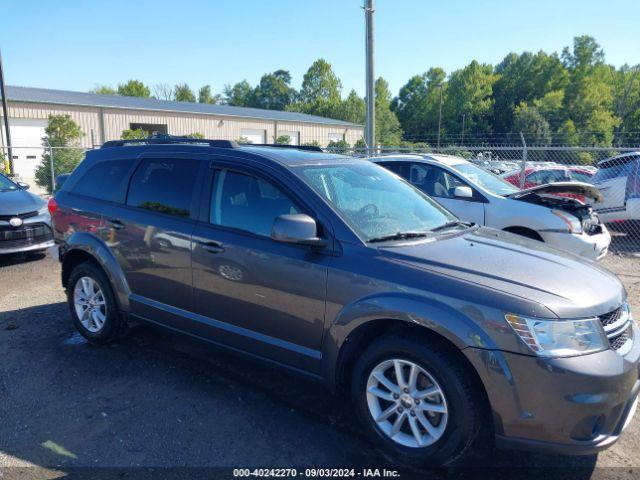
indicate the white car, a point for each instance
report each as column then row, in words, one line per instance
column 476, row 195
column 618, row 179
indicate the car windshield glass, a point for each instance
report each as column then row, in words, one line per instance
column 487, row 180
column 375, row 202
column 6, row 184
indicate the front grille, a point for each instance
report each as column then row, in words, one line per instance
column 617, row 327
column 23, row 216
column 24, row 236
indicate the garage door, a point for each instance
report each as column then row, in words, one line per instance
column 26, row 137
column 254, row 135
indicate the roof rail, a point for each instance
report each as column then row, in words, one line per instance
column 309, row 148
column 170, row 139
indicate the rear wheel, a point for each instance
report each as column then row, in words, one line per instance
column 92, row 303
column 416, row 400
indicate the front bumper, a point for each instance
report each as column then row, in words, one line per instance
column 575, row 405
column 33, row 234
column 593, row 247
column 27, row 248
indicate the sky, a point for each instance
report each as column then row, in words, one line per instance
column 76, row 45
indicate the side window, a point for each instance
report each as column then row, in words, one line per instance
column 434, row 181
column 164, row 186
column 542, row 177
column 247, row 203
column 581, row 176
column 395, row 167
column 616, row 169
column 105, row 180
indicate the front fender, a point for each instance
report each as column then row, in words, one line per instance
column 97, row 249
column 454, row 324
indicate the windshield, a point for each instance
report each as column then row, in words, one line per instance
column 6, row 184
column 487, row 180
column 374, row 201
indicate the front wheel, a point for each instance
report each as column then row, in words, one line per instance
column 417, row 400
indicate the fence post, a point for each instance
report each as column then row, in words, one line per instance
column 53, row 178
column 523, row 168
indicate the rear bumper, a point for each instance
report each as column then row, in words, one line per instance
column 593, row 247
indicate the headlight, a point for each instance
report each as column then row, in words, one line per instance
column 560, row 338
column 573, row 223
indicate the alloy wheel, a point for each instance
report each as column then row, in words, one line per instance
column 406, row 403
column 90, row 304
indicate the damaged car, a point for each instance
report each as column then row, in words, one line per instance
column 551, row 213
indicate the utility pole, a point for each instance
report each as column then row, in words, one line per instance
column 5, row 113
column 440, row 116
column 370, row 127
column 463, row 117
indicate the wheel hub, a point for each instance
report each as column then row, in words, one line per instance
column 407, row 401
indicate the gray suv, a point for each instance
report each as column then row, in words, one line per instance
column 335, row 268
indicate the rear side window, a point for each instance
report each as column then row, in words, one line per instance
column 164, row 186
column 105, row 180
column 615, row 169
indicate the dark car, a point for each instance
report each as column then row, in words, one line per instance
column 337, row 269
column 25, row 223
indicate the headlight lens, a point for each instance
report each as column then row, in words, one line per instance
column 573, row 223
column 560, row 338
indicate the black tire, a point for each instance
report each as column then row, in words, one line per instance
column 114, row 325
column 464, row 400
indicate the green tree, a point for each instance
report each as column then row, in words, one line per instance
column 240, row 95
column 63, row 135
column 524, row 78
column 417, row 105
column 339, row 146
column 532, row 124
column 205, row 95
column 104, row 90
column 320, row 92
column 388, row 130
column 137, row 134
column 283, row 140
column 274, row 91
column 470, row 92
column 353, row 109
column 183, row 93
column 134, row 88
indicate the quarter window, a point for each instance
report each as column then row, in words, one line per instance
column 105, row 180
column 164, row 186
column 247, row 203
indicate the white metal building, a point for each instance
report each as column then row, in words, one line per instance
column 104, row 117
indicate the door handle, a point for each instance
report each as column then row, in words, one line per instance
column 211, row 246
column 115, row 223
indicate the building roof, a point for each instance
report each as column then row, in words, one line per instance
column 64, row 97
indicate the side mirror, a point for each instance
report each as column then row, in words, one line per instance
column 23, row 186
column 463, row 192
column 298, row 229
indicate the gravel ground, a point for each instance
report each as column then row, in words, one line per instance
column 156, row 400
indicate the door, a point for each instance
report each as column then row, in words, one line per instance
column 26, row 135
column 151, row 235
column 441, row 185
column 251, row 292
column 611, row 180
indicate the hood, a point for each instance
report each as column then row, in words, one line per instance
column 564, row 283
column 578, row 188
column 17, row 202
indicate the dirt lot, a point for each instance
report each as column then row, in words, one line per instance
column 157, row 400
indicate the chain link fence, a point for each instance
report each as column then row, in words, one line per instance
column 615, row 171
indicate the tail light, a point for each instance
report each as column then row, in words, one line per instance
column 52, row 206
column 633, row 181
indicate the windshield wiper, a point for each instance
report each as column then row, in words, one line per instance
column 398, row 236
column 452, row 224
